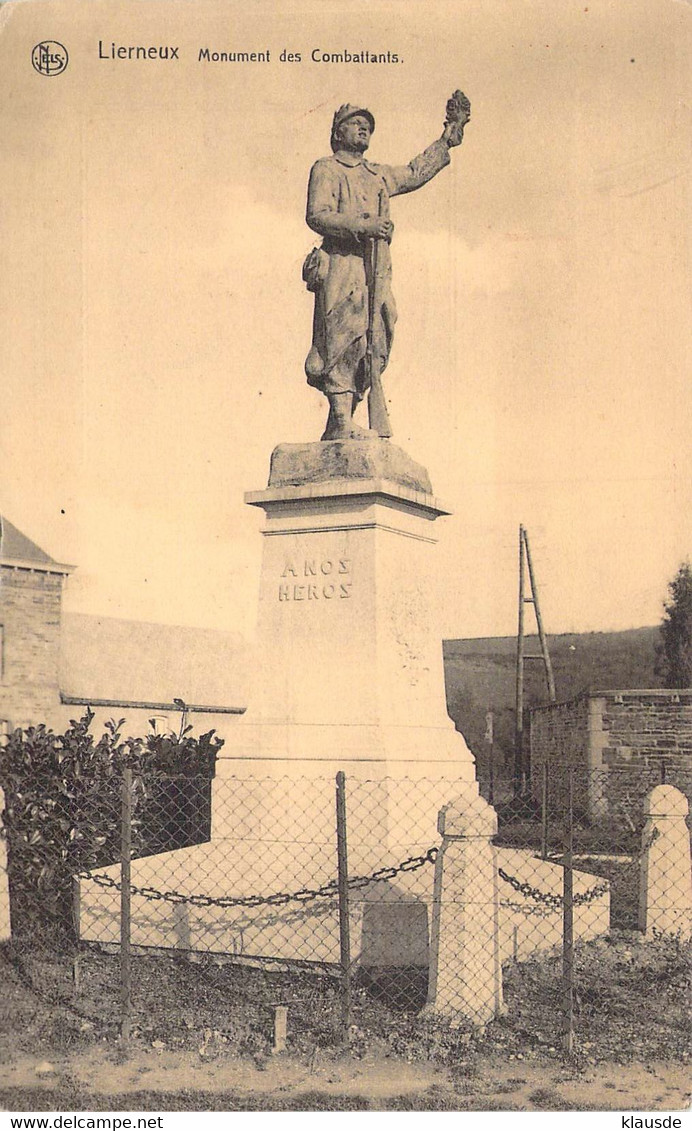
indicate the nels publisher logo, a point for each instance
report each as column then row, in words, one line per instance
column 49, row 58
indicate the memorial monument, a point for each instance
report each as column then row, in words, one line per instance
column 349, row 671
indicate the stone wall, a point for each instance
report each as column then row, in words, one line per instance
column 30, row 618
column 622, row 743
column 645, row 737
column 559, row 735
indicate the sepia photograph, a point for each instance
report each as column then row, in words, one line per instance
column 345, row 559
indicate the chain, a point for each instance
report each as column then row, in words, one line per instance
column 592, row 894
column 555, row 901
column 278, row 899
column 540, row 912
column 547, row 898
column 411, row 864
column 355, row 883
column 655, row 835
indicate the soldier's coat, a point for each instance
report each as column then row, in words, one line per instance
column 344, row 190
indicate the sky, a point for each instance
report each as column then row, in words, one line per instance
column 154, row 323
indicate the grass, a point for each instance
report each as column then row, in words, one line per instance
column 631, row 1004
column 631, row 998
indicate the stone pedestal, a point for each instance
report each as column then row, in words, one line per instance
column 349, row 677
column 349, row 659
column 349, row 656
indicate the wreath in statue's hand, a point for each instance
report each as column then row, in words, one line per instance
column 458, row 113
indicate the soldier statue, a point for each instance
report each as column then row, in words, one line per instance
column 350, row 273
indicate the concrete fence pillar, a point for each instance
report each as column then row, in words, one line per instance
column 465, row 969
column 665, row 877
column 4, row 885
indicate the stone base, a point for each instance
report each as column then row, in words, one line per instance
column 408, row 773
column 362, row 750
column 294, row 465
column 349, row 678
column 390, row 921
column 391, row 807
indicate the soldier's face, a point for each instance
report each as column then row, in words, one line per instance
column 355, row 133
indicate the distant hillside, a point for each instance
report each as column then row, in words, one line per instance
column 480, row 677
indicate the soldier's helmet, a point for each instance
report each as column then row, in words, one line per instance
column 342, row 115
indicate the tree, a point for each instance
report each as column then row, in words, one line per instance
column 674, row 653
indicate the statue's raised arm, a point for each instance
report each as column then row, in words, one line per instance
column 350, row 273
column 458, row 114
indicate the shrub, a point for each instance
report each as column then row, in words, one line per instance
column 62, row 809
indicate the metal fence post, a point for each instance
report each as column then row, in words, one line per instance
column 344, row 928
column 544, row 811
column 491, row 786
column 568, row 920
column 125, row 903
column 76, row 909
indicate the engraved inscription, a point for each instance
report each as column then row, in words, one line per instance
column 322, row 589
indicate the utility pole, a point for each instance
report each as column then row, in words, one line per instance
column 526, row 566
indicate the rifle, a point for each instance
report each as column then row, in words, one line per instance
column 378, row 417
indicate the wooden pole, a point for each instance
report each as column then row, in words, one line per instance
column 519, row 690
column 550, row 679
column 490, row 740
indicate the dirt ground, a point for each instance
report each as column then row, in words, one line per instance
column 199, row 1045
column 101, row 1077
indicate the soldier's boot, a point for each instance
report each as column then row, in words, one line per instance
column 340, row 419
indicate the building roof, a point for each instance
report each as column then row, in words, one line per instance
column 17, row 549
column 106, row 658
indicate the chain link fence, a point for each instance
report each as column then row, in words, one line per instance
column 302, row 905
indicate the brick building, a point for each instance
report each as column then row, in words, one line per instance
column 54, row 664
column 621, row 743
column 31, row 585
